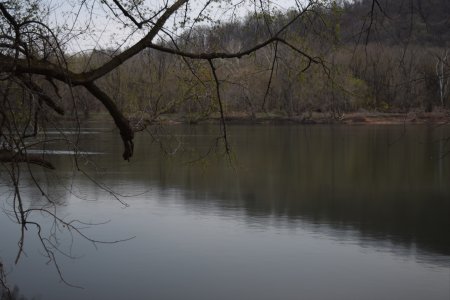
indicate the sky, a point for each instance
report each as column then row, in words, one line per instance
column 92, row 27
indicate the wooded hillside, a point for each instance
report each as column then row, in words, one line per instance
column 392, row 57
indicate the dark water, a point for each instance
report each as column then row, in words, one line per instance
column 296, row 212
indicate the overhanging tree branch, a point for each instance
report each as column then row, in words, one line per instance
column 126, row 132
column 240, row 54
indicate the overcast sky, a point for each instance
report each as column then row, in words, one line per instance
column 99, row 31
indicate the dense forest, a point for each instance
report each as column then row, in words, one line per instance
column 384, row 56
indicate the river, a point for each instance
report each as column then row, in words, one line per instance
column 294, row 212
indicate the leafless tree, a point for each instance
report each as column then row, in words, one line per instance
column 40, row 76
column 441, row 66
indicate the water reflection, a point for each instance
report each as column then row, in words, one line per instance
column 61, row 152
column 296, row 198
column 384, row 182
column 387, row 183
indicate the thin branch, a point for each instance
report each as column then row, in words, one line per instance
column 219, row 99
column 266, row 94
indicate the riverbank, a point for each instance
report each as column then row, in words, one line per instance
column 140, row 121
column 355, row 118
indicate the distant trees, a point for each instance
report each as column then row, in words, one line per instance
column 355, row 65
column 32, row 53
column 443, row 74
column 259, row 61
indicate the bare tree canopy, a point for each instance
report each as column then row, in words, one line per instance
column 33, row 50
column 41, row 40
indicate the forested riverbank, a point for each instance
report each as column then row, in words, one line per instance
column 362, row 117
column 399, row 65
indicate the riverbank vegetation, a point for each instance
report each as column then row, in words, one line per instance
column 322, row 61
column 355, row 60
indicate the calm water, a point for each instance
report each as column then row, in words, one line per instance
column 301, row 212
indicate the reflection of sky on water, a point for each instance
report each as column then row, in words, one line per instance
column 73, row 132
column 62, row 152
column 196, row 253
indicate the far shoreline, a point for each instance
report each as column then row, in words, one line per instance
column 353, row 118
column 139, row 121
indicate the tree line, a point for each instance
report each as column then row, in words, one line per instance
column 389, row 58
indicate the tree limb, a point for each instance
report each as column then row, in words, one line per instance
column 126, row 132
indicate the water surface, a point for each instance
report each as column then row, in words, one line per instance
column 296, row 212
